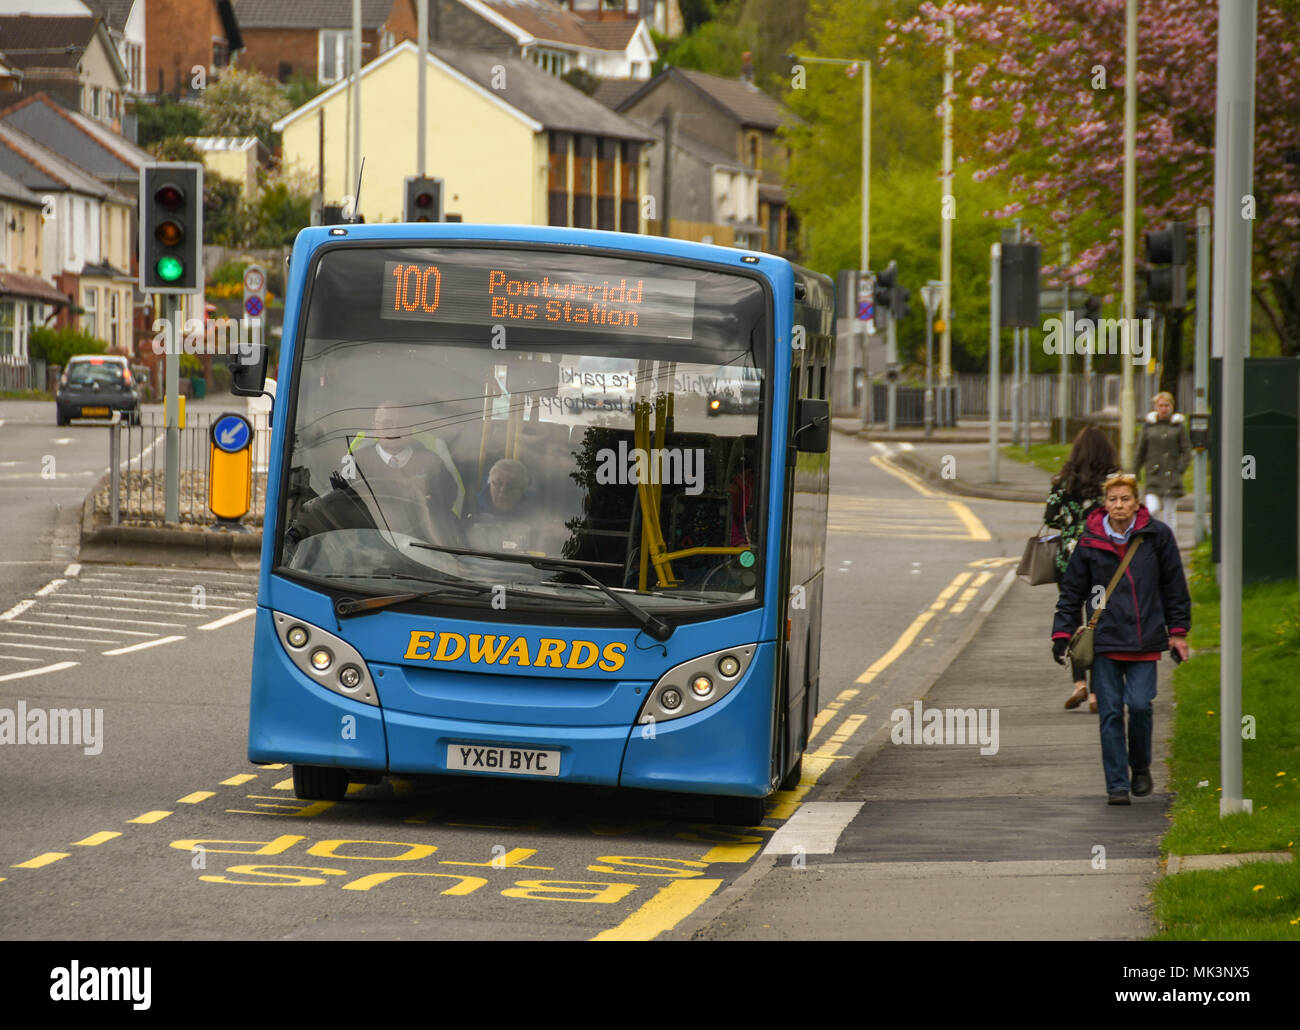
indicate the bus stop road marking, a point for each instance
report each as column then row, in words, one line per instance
column 150, row 817
column 236, row 780
column 196, row 797
column 670, row 905
column 42, row 860
column 973, row 525
column 95, row 839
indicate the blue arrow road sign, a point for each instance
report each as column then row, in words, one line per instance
column 231, row 433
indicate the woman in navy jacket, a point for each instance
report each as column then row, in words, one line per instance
column 1148, row 613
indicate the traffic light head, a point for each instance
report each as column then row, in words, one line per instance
column 898, row 303
column 423, row 199
column 171, row 228
column 1167, row 246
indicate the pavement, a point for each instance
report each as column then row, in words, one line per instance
column 946, row 841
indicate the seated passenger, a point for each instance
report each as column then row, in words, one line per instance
column 505, row 516
column 394, row 473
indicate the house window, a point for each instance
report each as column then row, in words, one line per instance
column 606, row 152
column 386, row 41
column 96, row 97
column 755, row 151
column 557, row 183
column 629, row 218
column 220, row 53
column 112, row 319
column 583, row 148
column 90, row 301
column 635, row 70
column 335, row 56
column 8, row 338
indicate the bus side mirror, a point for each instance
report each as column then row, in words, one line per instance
column 812, row 420
column 248, row 372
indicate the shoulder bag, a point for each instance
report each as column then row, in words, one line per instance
column 1080, row 650
column 1038, row 564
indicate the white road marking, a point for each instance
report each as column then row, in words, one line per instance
column 73, row 570
column 103, row 618
column 50, row 587
column 17, row 609
column 73, row 625
column 141, row 647
column 40, row 647
column 61, row 637
column 127, row 608
column 814, row 829
column 56, row 667
column 228, row 619
column 17, row 658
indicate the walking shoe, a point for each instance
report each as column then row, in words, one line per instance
column 1141, row 783
column 1092, row 703
column 1076, row 699
column 1119, row 799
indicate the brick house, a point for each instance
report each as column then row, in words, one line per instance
column 182, row 36
column 284, row 38
column 737, row 117
column 73, row 58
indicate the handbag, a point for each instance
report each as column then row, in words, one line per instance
column 1080, row 650
column 1038, row 563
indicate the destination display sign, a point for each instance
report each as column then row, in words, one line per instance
column 595, row 301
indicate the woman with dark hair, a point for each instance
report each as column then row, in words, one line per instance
column 1076, row 493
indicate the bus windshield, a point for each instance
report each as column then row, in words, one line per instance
column 519, row 401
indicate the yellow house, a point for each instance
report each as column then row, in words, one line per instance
column 511, row 143
column 236, row 158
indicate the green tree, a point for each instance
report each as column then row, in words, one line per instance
column 223, row 221
column 242, row 103
column 301, row 89
column 56, row 346
column 278, row 214
column 155, row 122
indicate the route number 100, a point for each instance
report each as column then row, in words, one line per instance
column 418, row 286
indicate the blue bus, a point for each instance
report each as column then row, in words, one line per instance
column 507, row 535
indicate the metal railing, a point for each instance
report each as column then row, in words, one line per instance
column 135, row 493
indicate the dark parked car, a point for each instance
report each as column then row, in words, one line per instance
column 94, row 386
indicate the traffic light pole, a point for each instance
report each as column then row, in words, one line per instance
column 891, row 360
column 172, row 491
column 995, row 363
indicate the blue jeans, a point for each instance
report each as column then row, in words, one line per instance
column 1117, row 684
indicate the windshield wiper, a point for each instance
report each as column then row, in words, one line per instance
column 656, row 628
column 346, row 606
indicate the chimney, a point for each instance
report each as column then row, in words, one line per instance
column 747, row 66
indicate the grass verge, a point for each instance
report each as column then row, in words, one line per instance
column 1260, row 901
column 1051, row 456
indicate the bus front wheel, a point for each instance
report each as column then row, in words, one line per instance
column 320, row 782
column 739, row 811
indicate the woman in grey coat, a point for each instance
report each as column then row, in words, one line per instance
column 1163, row 453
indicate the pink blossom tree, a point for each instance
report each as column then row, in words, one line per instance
column 1040, row 106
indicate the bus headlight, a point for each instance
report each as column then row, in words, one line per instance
column 331, row 662
column 694, row 685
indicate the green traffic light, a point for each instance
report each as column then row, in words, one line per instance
column 169, row 268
